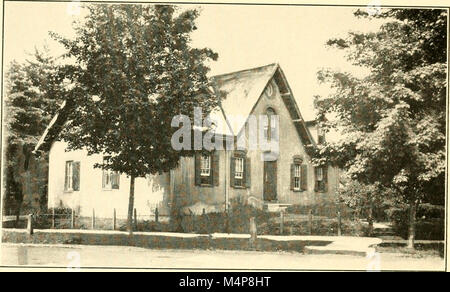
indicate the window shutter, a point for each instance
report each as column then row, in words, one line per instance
column 232, row 170
column 292, row 176
column 316, row 182
column 304, row 177
column 76, row 176
column 247, row 172
column 215, row 168
column 115, row 180
column 103, row 178
column 197, row 157
column 66, row 182
column 325, row 178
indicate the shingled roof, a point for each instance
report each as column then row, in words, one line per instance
column 242, row 90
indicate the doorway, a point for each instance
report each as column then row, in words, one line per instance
column 270, row 181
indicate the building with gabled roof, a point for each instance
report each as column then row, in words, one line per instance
column 207, row 183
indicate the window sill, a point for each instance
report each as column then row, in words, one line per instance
column 206, row 185
column 239, row 187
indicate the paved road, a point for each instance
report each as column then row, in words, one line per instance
column 120, row 256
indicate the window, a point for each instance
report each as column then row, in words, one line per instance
column 72, row 176
column 319, row 174
column 107, row 179
column 205, row 165
column 207, row 169
column 266, row 132
column 239, row 172
column 69, row 176
column 321, row 177
column 299, row 174
column 111, row 179
column 320, row 136
column 297, row 171
column 240, row 169
column 270, row 128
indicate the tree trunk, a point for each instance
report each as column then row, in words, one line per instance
column 370, row 219
column 18, row 208
column 130, row 207
column 412, row 224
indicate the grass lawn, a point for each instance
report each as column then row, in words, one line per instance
column 422, row 250
column 158, row 242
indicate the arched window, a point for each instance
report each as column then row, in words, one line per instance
column 271, row 124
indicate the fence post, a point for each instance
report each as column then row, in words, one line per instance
column 53, row 218
column 310, row 222
column 93, row 218
column 156, row 215
column 72, row 219
column 135, row 219
column 30, row 224
column 253, row 233
column 339, row 223
column 281, row 222
column 193, row 220
column 114, row 220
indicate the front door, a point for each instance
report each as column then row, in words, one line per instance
column 270, row 180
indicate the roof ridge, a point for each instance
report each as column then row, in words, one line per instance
column 244, row 70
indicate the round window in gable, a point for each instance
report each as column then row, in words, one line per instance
column 269, row 90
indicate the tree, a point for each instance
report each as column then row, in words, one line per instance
column 33, row 91
column 134, row 71
column 393, row 120
column 368, row 200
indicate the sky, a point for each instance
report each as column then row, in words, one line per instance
column 243, row 36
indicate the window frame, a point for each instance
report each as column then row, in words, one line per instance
column 68, row 185
column 319, row 174
column 239, row 175
column 202, row 169
column 297, row 176
column 320, row 135
column 108, row 173
column 269, row 129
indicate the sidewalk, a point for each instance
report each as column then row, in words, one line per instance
column 360, row 246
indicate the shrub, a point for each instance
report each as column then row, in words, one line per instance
column 236, row 221
column 62, row 219
column 148, row 226
column 326, row 208
column 430, row 223
column 323, row 227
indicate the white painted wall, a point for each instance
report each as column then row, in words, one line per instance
column 149, row 192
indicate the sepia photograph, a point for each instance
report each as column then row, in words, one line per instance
column 227, row 136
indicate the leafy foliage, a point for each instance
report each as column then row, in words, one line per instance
column 34, row 90
column 393, row 119
column 134, row 71
column 430, row 223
